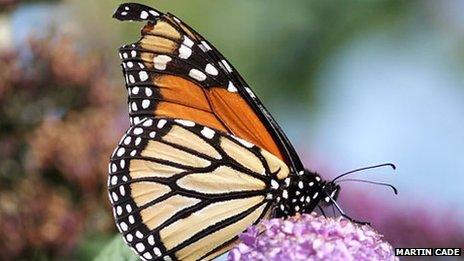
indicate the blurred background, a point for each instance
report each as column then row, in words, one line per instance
column 353, row 83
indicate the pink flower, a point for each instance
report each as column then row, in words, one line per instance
column 311, row 237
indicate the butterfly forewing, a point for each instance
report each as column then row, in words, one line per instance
column 173, row 72
column 181, row 190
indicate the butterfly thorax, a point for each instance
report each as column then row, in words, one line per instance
column 300, row 193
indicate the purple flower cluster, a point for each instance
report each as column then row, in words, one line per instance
column 311, row 237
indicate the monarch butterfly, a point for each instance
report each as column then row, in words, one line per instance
column 203, row 159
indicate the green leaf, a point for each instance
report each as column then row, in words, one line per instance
column 116, row 250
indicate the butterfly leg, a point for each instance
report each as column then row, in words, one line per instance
column 343, row 214
column 354, row 220
column 322, row 211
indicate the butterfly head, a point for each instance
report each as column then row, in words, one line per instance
column 303, row 192
column 330, row 191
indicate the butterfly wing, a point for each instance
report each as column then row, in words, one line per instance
column 172, row 71
column 182, row 190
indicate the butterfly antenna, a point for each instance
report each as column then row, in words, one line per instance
column 365, row 168
column 372, row 182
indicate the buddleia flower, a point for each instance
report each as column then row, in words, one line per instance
column 311, row 237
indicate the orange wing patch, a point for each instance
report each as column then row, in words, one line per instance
column 216, row 108
column 241, row 119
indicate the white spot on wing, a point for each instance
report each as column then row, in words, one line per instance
column 143, row 76
column 160, row 61
column 186, row 123
column 140, row 247
column 148, row 91
column 145, row 104
column 147, row 255
column 184, row 52
column 231, row 87
column 114, row 180
column 148, row 123
column 123, row 226
column 250, row 92
column 151, row 240
column 120, row 152
column 187, row 41
column 226, row 64
column 204, row 46
column 210, row 69
column 143, row 15
column 157, row 251
column 244, row 142
column 197, row 75
column 207, row 132
column 161, row 123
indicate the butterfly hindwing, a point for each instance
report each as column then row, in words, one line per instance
column 181, row 190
